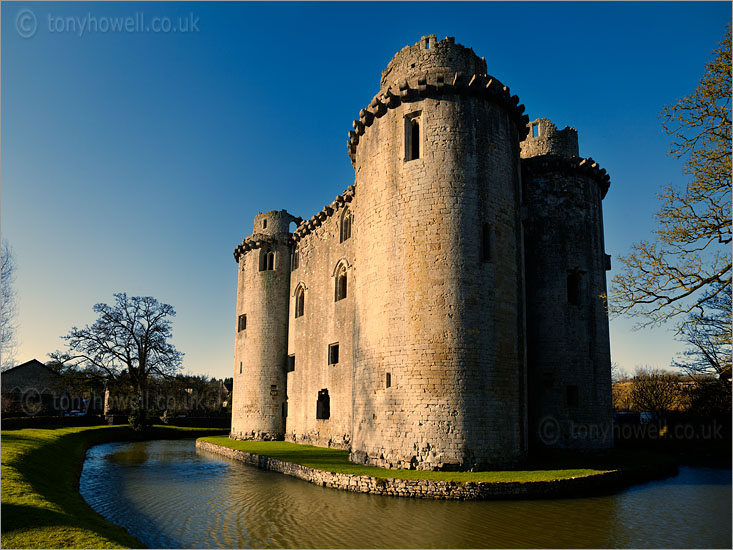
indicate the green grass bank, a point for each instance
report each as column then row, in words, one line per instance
column 41, row 504
column 337, row 461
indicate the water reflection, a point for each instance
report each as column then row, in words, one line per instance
column 167, row 495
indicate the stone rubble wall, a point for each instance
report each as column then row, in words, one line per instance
column 447, row 490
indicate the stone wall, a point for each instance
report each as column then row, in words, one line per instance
column 324, row 322
column 544, row 138
column 569, row 362
column 260, row 353
column 448, row 490
column 442, row 321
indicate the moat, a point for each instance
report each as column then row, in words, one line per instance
column 168, row 495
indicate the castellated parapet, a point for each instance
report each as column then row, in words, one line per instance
column 397, row 322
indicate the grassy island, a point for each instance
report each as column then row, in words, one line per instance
column 337, row 461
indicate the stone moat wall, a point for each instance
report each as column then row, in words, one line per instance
column 448, row 490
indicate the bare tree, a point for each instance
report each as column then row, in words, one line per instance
column 654, row 390
column 8, row 307
column 129, row 339
column 708, row 334
column 689, row 264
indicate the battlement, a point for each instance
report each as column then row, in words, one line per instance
column 431, row 55
column 544, row 138
column 437, row 70
column 274, row 222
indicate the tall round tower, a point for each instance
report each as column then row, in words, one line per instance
column 568, row 363
column 439, row 377
column 261, row 345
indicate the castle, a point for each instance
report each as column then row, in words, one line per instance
column 446, row 311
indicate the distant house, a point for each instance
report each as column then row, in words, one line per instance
column 32, row 389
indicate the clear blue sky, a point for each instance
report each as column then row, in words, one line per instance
column 136, row 161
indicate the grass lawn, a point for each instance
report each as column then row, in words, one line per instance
column 41, row 504
column 334, row 460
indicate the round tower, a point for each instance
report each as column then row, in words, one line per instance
column 261, row 344
column 439, row 377
column 568, row 353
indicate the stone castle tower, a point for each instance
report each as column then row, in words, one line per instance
column 444, row 312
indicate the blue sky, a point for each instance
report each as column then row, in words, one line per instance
column 135, row 161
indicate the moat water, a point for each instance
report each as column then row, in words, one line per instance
column 169, row 495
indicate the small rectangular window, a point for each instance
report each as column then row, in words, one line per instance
column 571, row 394
column 333, row 354
column 323, row 405
column 575, row 285
column 242, row 323
column 291, row 363
column 388, row 381
column 535, row 130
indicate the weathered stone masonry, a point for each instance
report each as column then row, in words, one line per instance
column 437, row 313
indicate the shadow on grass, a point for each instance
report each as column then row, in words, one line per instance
column 40, row 485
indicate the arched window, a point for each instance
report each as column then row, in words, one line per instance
column 414, row 139
column 346, row 220
column 340, row 284
column 295, row 260
column 299, row 302
column 267, row 260
column 323, row 405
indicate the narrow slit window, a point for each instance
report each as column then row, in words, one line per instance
column 270, row 261
column 264, row 224
column 414, row 139
column 346, row 225
column 388, row 381
column 486, row 243
column 340, row 291
column 299, row 302
column 333, row 354
column 575, row 283
column 412, row 136
column 291, row 363
column 295, row 260
column 242, row 323
column 240, row 368
column 323, row 405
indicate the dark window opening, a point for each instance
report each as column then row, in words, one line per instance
column 323, row 406
column 240, row 368
column 414, row 139
column 388, row 382
column 267, row 260
column 486, row 243
column 291, row 363
column 346, row 225
column 575, row 283
column 340, row 284
column 333, row 354
column 264, row 224
column 299, row 302
column 571, row 395
column 242, row 323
